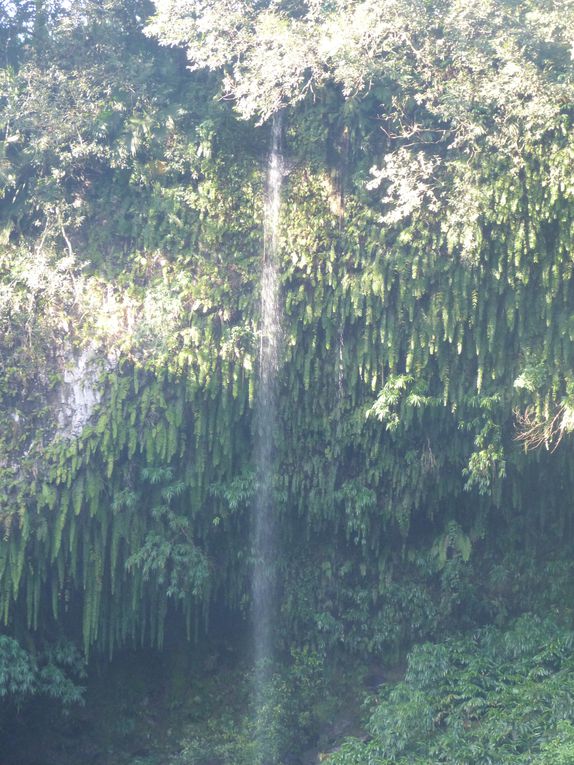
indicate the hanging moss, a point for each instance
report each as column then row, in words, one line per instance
column 401, row 348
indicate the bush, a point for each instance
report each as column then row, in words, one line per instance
column 494, row 696
column 53, row 673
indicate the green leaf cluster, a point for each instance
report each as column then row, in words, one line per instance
column 502, row 696
column 54, row 673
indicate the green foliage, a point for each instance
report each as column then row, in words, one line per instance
column 424, row 304
column 295, row 700
column 425, row 252
column 385, row 406
column 278, row 54
column 453, row 542
column 18, row 675
column 494, row 696
column 168, row 554
column 54, row 673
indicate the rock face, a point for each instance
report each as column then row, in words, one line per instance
column 78, row 392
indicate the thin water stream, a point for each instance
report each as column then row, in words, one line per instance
column 264, row 605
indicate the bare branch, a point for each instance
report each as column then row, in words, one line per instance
column 535, row 432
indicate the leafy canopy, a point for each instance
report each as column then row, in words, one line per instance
column 454, row 57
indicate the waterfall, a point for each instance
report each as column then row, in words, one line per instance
column 264, row 526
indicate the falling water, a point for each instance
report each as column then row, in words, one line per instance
column 264, row 516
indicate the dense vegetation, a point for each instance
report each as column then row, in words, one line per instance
column 493, row 697
column 424, row 467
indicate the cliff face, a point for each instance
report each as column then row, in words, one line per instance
column 426, row 293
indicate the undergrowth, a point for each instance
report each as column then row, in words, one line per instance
column 503, row 697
